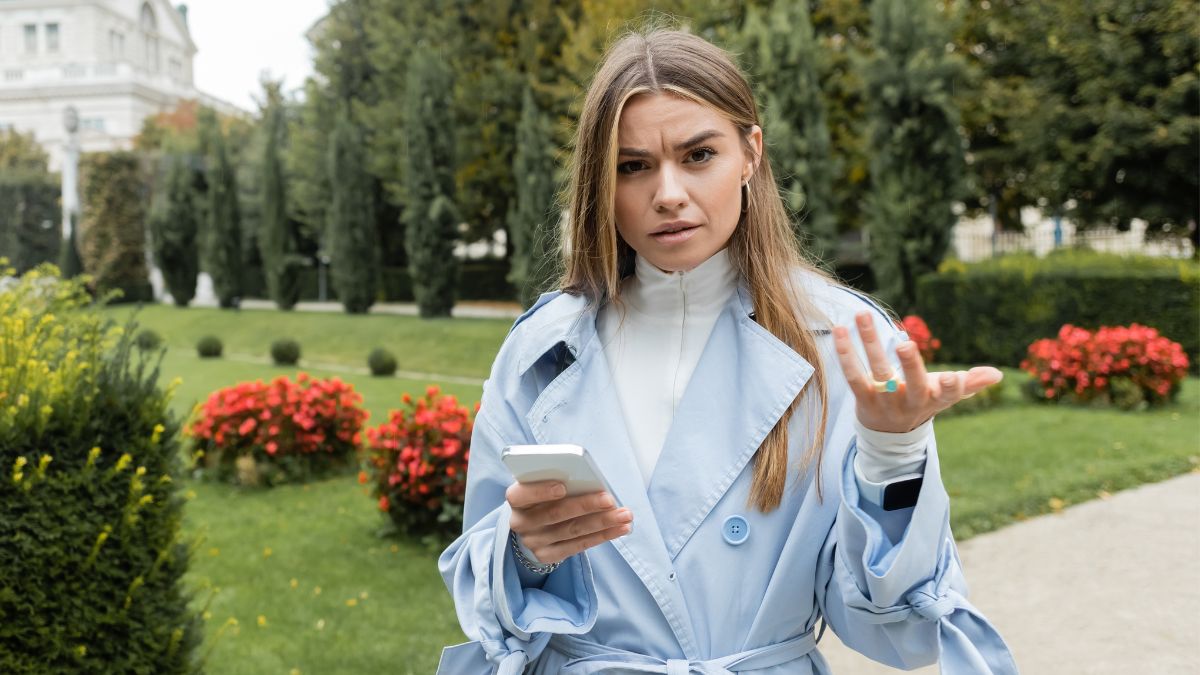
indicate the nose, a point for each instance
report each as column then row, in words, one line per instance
column 671, row 192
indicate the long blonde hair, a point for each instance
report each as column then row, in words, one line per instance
column 762, row 249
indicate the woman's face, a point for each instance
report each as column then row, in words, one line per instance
column 680, row 170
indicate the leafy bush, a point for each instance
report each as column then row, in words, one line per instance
column 381, row 362
column 279, row 432
column 209, row 347
column 1121, row 366
column 91, row 560
column 417, row 463
column 989, row 312
column 148, row 340
column 285, row 352
column 919, row 333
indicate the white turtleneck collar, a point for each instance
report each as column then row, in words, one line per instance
column 705, row 288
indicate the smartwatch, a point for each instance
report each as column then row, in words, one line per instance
column 892, row 494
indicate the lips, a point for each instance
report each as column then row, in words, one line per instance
column 673, row 227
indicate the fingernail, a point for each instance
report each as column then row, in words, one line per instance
column 607, row 502
column 625, row 515
column 560, row 490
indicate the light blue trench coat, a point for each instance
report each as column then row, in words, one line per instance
column 677, row 595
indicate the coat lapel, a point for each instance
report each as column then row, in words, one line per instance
column 745, row 380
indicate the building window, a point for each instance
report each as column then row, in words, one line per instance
column 116, row 44
column 92, row 123
column 176, row 68
column 31, row 38
column 52, row 37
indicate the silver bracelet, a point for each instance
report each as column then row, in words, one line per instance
column 532, row 566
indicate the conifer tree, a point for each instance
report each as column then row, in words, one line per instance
column 917, row 163
column 277, row 241
column 173, row 228
column 351, row 235
column 533, row 220
column 430, row 212
column 223, row 239
column 781, row 45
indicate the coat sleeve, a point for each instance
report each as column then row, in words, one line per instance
column 890, row 584
column 508, row 617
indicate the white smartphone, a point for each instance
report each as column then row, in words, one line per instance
column 570, row 464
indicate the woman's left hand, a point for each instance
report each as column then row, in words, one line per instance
column 918, row 397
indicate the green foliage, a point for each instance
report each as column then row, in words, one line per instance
column 429, row 186
column 534, row 222
column 917, row 158
column 174, row 229
column 352, row 239
column 91, row 559
column 223, row 239
column 69, row 262
column 113, row 227
column 285, row 352
column 21, row 153
column 786, row 58
column 277, row 241
column 209, row 347
column 990, row 312
column 381, row 362
column 148, row 340
column 30, row 216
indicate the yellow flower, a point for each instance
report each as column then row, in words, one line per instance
column 294, row 671
column 158, row 429
column 1056, row 504
column 262, row 621
column 190, row 494
column 93, row 454
column 124, row 461
column 146, row 499
column 352, row 602
column 267, row 552
column 214, row 551
column 363, row 595
column 316, row 590
column 207, row 615
column 81, row 650
column 293, row 583
column 141, row 471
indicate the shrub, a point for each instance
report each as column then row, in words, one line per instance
column 113, row 231
column 148, row 340
column 417, row 464
column 209, row 347
column 989, row 312
column 281, row 432
column 91, row 559
column 1121, row 366
column 285, row 352
column 919, row 333
column 381, row 362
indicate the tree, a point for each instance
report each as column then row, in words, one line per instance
column 113, row 233
column 173, row 229
column 917, row 158
column 534, row 217
column 353, row 241
column 784, row 54
column 429, row 185
column 277, row 241
column 223, row 238
column 21, row 152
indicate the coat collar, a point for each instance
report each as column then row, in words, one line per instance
column 745, row 380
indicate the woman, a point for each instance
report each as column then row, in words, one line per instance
column 774, row 483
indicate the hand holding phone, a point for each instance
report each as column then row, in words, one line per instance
column 561, row 503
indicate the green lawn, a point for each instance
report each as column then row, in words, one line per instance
column 382, row 606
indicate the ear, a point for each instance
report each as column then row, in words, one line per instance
column 755, row 139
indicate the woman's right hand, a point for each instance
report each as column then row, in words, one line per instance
column 555, row 527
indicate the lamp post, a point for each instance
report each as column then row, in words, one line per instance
column 70, row 171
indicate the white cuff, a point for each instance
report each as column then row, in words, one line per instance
column 884, row 455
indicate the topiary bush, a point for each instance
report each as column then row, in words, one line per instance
column 285, row 352
column 209, row 347
column 91, row 559
column 381, row 362
column 148, row 340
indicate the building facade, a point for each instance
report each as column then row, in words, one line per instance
column 115, row 61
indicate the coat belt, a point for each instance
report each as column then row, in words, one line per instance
column 589, row 657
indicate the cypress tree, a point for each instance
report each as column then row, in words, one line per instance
column 785, row 56
column 276, row 240
column 353, row 239
column 533, row 219
column 223, row 240
column 917, row 162
column 430, row 212
column 173, row 226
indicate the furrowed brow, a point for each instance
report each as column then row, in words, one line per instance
column 694, row 140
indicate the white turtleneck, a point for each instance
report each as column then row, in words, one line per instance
column 653, row 340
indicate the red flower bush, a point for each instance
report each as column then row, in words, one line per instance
column 418, row 464
column 919, row 333
column 1122, row 365
column 293, row 430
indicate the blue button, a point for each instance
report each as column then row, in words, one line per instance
column 735, row 530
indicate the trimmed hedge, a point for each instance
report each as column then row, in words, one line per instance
column 991, row 312
column 485, row 279
column 91, row 557
column 30, row 218
column 112, row 234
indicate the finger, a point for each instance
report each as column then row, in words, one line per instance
column 563, row 510
column 855, row 376
column 563, row 550
column 575, row 528
column 881, row 368
column 950, row 385
column 915, row 376
column 525, row 495
column 980, row 378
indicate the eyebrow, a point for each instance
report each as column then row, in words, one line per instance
column 694, row 140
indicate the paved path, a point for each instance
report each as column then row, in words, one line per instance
column 465, row 309
column 1109, row 586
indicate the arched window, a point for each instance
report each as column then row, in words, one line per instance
column 149, row 24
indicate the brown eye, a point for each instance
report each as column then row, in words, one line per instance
column 701, row 155
column 629, row 167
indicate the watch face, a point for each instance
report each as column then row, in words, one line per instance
column 902, row 494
